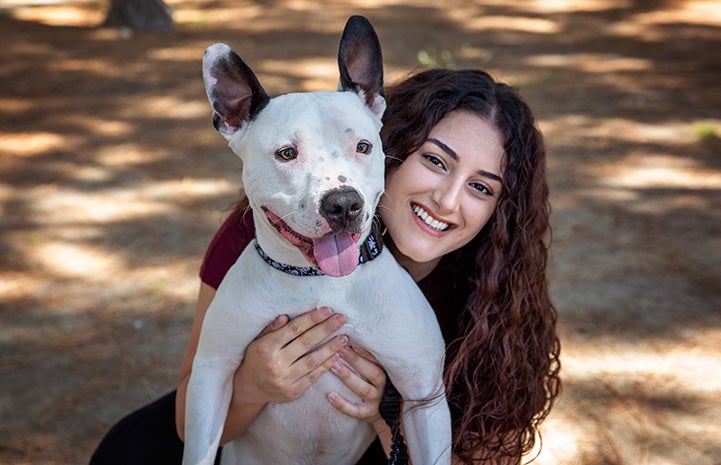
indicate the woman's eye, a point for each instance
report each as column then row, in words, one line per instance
column 482, row 188
column 434, row 160
column 287, row 153
column 363, row 147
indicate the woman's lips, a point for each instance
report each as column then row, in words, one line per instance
column 426, row 219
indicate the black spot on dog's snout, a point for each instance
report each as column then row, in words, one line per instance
column 342, row 178
column 327, row 178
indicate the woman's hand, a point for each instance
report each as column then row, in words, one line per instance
column 279, row 366
column 366, row 379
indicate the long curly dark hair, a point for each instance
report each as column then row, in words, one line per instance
column 502, row 373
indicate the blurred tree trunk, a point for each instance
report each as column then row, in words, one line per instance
column 139, row 15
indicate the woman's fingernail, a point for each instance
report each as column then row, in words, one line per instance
column 324, row 311
column 343, row 339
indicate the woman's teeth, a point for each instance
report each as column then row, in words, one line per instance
column 429, row 220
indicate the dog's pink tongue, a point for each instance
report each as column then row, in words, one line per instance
column 336, row 255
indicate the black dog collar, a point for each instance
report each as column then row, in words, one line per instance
column 370, row 249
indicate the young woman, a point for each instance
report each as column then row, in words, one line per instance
column 466, row 213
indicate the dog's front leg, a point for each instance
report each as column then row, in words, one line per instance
column 210, row 389
column 426, row 416
column 428, row 431
column 221, row 346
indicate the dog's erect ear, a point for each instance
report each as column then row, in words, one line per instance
column 361, row 63
column 233, row 89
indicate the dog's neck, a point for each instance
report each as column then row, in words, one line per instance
column 284, row 267
column 275, row 246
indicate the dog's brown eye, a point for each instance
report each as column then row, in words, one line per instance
column 287, row 153
column 363, row 147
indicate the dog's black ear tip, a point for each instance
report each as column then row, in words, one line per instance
column 358, row 19
column 360, row 22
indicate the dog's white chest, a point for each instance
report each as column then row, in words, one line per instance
column 326, row 436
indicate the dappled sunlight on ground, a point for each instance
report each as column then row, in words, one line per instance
column 54, row 13
column 113, row 180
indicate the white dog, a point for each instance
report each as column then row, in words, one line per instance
column 313, row 173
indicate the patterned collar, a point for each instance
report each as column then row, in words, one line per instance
column 370, row 249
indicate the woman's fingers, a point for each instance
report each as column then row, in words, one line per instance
column 355, row 410
column 311, row 359
column 278, row 323
column 318, row 364
column 366, row 365
column 291, row 339
column 364, row 409
column 310, row 329
column 364, row 377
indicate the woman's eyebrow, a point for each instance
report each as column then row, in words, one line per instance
column 452, row 153
column 490, row 175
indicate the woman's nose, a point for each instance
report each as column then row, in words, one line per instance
column 448, row 194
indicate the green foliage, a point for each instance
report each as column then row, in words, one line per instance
column 460, row 57
column 432, row 59
column 704, row 130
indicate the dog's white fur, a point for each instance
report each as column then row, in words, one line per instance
column 387, row 313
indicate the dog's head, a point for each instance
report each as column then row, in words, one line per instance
column 312, row 162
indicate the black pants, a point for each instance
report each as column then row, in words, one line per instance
column 148, row 437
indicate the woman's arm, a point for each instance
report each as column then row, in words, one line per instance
column 277, row 365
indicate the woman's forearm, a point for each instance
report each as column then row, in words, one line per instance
column 241, row 414
column 384, row 434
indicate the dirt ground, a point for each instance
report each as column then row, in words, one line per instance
column 112, row 182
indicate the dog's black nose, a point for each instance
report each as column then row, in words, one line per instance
column 341, row 206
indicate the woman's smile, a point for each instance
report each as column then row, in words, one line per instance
column 428, row 220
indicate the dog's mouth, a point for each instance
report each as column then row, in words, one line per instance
column 334, row 254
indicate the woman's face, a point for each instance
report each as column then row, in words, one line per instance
column 443, row 194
